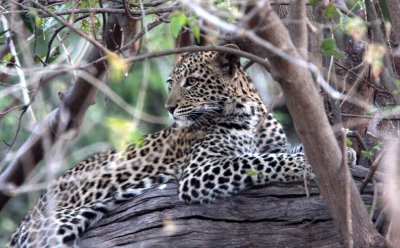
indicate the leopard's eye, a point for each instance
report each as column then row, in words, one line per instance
column 169, row 84
column 190, row 81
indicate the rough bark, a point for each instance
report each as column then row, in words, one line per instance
column 306, row 109
column 278, row 215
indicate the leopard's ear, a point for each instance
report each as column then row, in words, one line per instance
column 228, row 62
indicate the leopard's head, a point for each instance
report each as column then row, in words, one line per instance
column 209, row 85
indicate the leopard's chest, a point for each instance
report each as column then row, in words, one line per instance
column 222, row 142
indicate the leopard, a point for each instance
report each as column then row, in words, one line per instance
column 223, row 140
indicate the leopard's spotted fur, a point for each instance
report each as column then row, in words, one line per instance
column 223, row 141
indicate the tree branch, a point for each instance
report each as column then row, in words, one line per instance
column 136, row 14
column 278, row 215
column 315, row 132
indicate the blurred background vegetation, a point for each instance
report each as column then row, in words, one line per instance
column 106, row 124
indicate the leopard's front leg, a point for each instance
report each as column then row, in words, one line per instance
column 217, row 177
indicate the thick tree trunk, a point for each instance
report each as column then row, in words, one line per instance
column 278, row 215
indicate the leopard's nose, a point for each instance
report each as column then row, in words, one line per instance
column 171, row 108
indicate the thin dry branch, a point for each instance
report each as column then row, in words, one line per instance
column 55, row 33
column 349, row 242
column 371, row 171
column 394, row 11
column 135, row 14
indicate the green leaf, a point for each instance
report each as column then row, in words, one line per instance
column 329, row 47
column 348, row 142
column 397, row 83
column 250, row 172
column 369, row 113
column 328, row 44
column 216, row 2
column 367, row 154
column 376, row 148
column 38, row 21
column 2, row 34
column 368, row 207
column 196, row 32
column 281, row 116
column 336, row 53
column 313, row 2
column 137, row 138
column 8, row 57
column 330, row 12
column 192, row 22
column 176, row 24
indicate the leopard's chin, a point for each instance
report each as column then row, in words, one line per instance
column 182, row 122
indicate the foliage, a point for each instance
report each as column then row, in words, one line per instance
column 177, row 22
column 329, row 47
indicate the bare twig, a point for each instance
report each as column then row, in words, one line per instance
column 10, row 145
column 137, row 13
column 14, row 105
column 344, row 168
column 371, row 117
column 371, row 171
column 341, row 5
column 136, row 112
column 358, row 137
column 394, row 11
column 381, row 219
column 55, row 33
column 153, row 3
column 22, row 80
column 374, row 199
column 362, row 78
column 127, row 10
